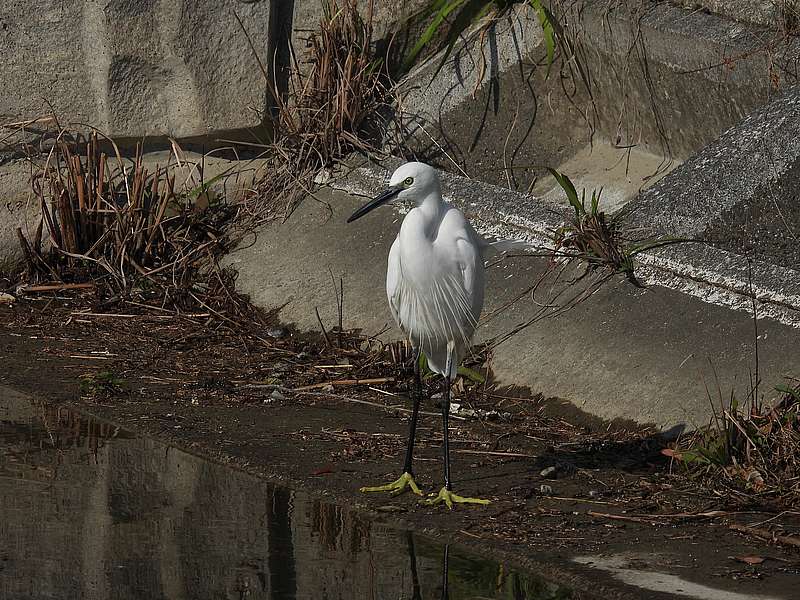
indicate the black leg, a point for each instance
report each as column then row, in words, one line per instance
column 445, row 418
column 417, row 399
column 445, row 582
column 416, row 593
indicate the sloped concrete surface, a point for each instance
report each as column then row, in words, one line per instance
column 702, row 200
column 770, row 13
column 641, row 354
column 762, row 147
column 664, row 79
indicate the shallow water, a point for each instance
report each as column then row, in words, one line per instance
column 91, row 511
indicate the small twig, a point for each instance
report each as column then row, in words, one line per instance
column 586, row 500
column 767, row 535
column 124, row 316
column 321, row 326
column 391, row 407
column 492, row 453
column 632, row 519
column 654, row 518
column 56, row 287
column 342, row 382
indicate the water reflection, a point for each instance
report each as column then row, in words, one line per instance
column 90, row 511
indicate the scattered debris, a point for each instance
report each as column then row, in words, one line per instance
column 750, row 451
column 767, row 535
column 549, row 472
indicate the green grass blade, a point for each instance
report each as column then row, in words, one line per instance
column 546, row 20
column 445, row 8
column 469, row 14
column 569, row 189
column 195, row 192
column 471, row 374
column 785, row 389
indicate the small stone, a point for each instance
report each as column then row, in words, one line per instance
column 549, row 472
column 276, row 332
column 323, row 176
column 545, row 489
column 6, row 298
column 277, row 395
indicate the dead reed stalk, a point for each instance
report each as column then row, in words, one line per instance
column 117, row 220
column 335, row 105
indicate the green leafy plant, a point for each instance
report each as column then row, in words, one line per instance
column 592, row 235
column 460, row 15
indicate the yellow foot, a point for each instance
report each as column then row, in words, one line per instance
column 396, row 487
column 450, row 498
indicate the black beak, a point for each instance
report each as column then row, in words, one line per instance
column 379, row 200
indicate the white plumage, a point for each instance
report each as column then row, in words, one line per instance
column 435, row 276
column 435, row 283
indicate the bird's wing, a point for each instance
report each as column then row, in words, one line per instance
column 468, row 254
column 456, row 296
column 470, row 258
column 393, row 278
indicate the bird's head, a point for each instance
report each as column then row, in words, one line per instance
column 411, row 181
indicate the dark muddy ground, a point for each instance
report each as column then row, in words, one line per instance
column 211, row 388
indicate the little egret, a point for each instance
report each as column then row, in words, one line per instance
column 435, row 282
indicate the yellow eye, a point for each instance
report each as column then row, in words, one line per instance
column 408, row 181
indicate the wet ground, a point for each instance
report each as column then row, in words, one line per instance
column 610, row 520
column 92, row 511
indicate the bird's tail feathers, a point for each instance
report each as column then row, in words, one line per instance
column 437, row 362
column 506, row 245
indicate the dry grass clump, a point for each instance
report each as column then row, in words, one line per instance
column 750, row 450
column 126, row 227
column 335, row 104
column 592, row 236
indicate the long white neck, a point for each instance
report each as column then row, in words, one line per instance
column 430, row 209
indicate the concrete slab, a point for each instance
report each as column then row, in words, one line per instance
column 134, row 67
column 739, row 194
column 625, row 352
column 663, row 79
column 621, row 173
column 770, row 13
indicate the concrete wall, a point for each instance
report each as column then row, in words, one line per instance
column 665, row 81
column 134, row 67
column 771, row 13
column 154, row 67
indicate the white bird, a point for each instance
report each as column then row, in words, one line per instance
column 435, row 283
